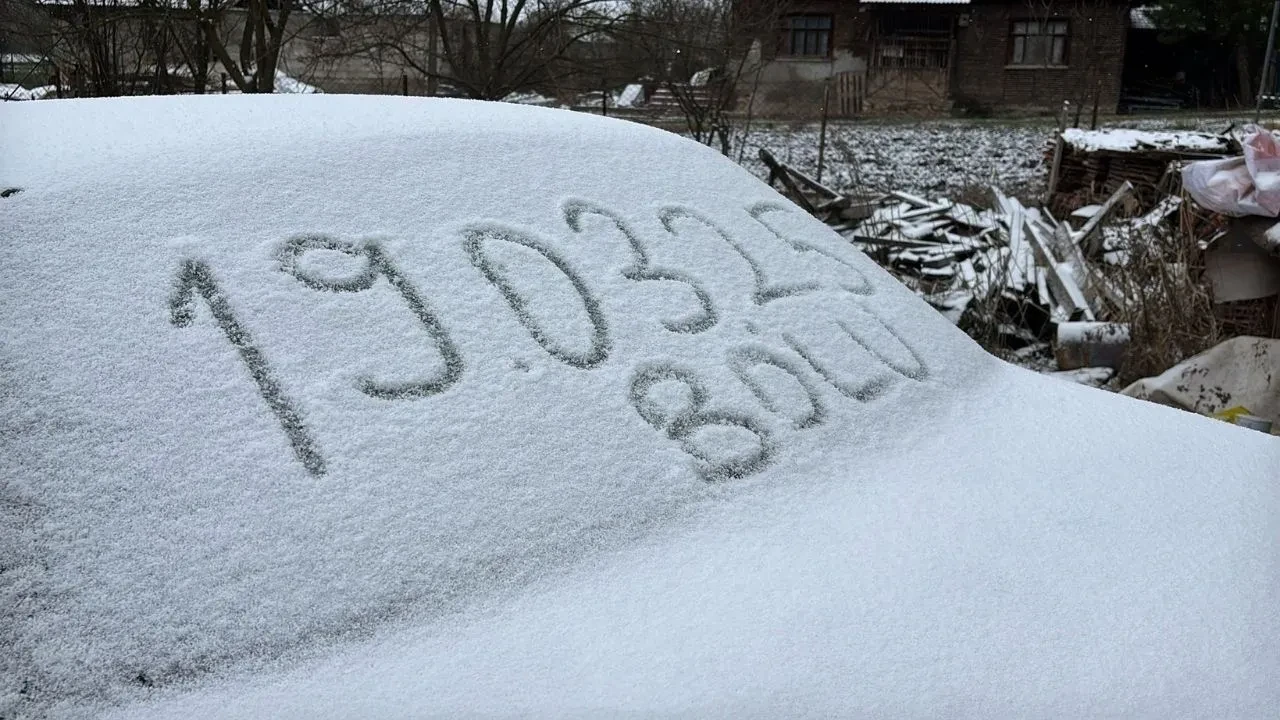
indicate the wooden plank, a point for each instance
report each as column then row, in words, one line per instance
column 918, row 231
column 1055, row 166
column 839, row 203
column 888, row 241
column 937, row 209
column 1088, row 238
column 784, row 177
column 1018, row 247
column 809, row 182
column 1042, row 288
column 967, row 216
column 1071, row 253
column 911, row 199
column 1065, row 290
column 1163, row 209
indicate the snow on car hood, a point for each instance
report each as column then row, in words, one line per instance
column 357, row 407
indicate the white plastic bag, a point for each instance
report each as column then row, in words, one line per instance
column 1222, row 186
column 1262, row 157
column 1248, row 185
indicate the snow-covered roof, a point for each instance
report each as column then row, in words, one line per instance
column 323, row 406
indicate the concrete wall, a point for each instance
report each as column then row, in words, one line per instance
column 319, row 60
column 793, row 86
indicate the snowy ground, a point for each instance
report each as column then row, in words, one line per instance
column 956, row 159
column 930, row 159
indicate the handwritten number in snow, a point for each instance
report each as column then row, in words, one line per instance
column 682, row 424
column 376, row 263
column 643, row 269
column 862, row 286
column 475, row 239
column 742, row 360
column 765, row 291
column 871, row 389
column 195, row 277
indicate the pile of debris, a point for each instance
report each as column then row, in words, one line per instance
column 1044, row 287
column 1016, row 275
column 1017, row 270
column 1175, row 258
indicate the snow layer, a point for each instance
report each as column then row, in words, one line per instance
column 933, row 159
column 324, row 406
column 876, row 586
column 1123, row 139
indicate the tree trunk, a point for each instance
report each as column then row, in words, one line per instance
column 200, row 66
column 1243, row 76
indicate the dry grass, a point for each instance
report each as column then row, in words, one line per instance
column 1169, row 308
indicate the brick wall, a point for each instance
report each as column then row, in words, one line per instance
column 984, row 78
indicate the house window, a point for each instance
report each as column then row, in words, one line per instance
column 808, row 35
column 914, row 40
column 1039, row 42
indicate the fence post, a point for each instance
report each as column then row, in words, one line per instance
column 822, row 132
column 224, row 83
column 1097, row 92
column 404, row 84
column 1267, row 60
column 57, row 82
column 1057, row 154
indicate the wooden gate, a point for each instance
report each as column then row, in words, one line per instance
column 846, row 94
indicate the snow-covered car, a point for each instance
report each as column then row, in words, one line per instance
column 325, row 406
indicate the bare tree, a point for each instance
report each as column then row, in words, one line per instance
column 698, row 51
column 256, row 30
column 105, row 47
column 485, row 49
column 125, row 47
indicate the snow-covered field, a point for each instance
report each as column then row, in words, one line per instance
column 935, row 159
column 355, row 407
column 928, row 159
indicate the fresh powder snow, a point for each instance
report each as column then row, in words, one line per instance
column 324, row 406
column 1123, row 140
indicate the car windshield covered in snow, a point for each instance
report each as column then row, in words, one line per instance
column 334, row 406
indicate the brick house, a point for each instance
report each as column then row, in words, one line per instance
column 930, row 56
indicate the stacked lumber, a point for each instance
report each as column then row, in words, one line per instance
column 1095, row 164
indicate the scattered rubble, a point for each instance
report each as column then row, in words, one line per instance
column 1055, row 287
column 1016, row 270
